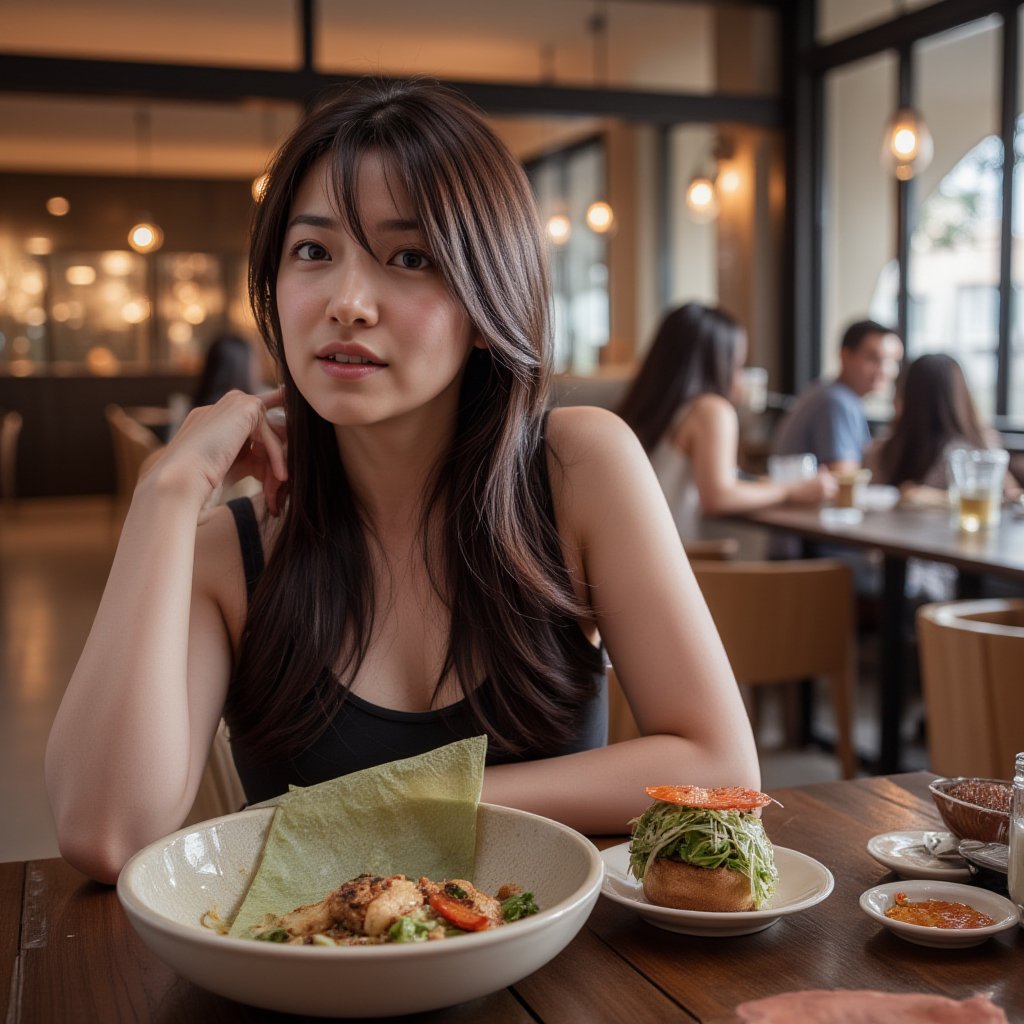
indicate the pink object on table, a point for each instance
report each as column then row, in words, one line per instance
column 843, row 1006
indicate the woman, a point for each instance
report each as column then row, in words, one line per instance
column 441, row 560
column 230, row 363
column 933, row 413
column 681, row 407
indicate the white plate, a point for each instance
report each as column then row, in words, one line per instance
column 803, row 882
column 904, row 853
column 878, row 498
column 875, row 902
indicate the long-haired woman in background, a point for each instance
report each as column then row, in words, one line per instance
column 681, row 407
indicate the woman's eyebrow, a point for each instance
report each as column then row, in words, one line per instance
column 312, row 220
column 399, row 224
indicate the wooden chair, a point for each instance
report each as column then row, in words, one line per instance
column 10, row 429
column 718, row 549
column 133, row 444
column 785, row 622
column 220, row 791
column 972, row 675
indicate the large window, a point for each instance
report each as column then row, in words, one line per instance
column 953, row 276
column 860, row 276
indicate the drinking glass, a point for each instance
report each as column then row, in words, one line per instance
column 976, row 486
column 1015, row 881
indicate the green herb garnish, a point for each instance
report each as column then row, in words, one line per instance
column 519, row 906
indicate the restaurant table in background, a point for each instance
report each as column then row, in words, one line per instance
column 71, row 955
column 899, row 534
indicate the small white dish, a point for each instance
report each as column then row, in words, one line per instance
column 904, row 853
column 878, row 498
column 803, row 882
column 875, row 902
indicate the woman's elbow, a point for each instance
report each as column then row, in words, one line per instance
column 98, row 857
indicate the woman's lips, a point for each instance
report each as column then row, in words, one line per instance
column 349, row 371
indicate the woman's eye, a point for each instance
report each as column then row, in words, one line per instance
column 312, row 251
column 411, row 259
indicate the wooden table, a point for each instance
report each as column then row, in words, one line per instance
column 70, row 955
column 900, row 534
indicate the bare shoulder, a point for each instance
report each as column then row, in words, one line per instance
column 594, row 459
column 711, row 408
column 585, row 439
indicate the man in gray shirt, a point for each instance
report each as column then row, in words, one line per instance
column 828, row 419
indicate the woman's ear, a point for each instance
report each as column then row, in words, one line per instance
column 479, row 341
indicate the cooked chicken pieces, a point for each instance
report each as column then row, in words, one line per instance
column 473, row 898
column 364, row 910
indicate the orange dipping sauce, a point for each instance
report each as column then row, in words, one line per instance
column 937, row 913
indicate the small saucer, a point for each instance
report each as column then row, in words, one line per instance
column 906, row 854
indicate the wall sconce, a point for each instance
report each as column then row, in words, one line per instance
column 907, row 147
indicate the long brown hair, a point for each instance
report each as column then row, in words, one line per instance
column 500, row 572
column 693, row 353
column 935, row 410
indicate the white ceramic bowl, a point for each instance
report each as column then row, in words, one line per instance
column 875, row 902
column 168, row 886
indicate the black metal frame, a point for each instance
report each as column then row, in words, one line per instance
column 806, row 77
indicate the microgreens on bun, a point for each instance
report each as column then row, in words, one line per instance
column 703, row 849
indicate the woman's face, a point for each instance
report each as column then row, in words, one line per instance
column 369, row 337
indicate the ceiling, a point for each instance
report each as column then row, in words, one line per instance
column 654, row 45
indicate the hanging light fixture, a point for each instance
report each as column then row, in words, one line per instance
column 702, row 199
column 600, row 217
column 146, row 235
column 260, row 182
column 558, row 228
column 907, row 147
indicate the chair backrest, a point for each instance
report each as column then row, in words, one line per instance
column 10, row 428
column 716, row 549
column 972, row 673
column 781, row 621
column 133, row 444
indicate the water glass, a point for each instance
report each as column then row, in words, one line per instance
column 1015, row 881
column 788, row 469
column 976, row 478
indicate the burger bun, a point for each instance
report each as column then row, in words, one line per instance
column 673, row 883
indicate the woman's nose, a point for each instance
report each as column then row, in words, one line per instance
column 352, row 301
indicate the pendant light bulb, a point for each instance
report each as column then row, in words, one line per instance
column 558, row 228
column 145, row 237
column 600, row 217
column 701, row 199
column 907, row 148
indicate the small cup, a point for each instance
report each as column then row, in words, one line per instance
column 976, row 486
column 850, row 486
column 788, row 469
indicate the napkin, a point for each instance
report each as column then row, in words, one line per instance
column 845, row 1006
column 415, row 817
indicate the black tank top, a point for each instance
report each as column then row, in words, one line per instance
column 362, row 735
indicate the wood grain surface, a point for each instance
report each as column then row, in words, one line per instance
column 68, row 954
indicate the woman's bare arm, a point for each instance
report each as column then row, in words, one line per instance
column 709, row 437
column 131, row 737
column 659, row 635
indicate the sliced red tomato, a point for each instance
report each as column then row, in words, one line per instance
column 724, row 798
column 458, row 914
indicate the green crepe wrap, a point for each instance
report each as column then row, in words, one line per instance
column 415, row 817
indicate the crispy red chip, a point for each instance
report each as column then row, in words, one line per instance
column 724, row 798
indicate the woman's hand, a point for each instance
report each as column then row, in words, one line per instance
column 815, row 491
column 241, row 435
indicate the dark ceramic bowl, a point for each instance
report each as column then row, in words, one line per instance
column 971, row 807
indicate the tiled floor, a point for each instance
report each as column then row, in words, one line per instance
column 54, row 558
